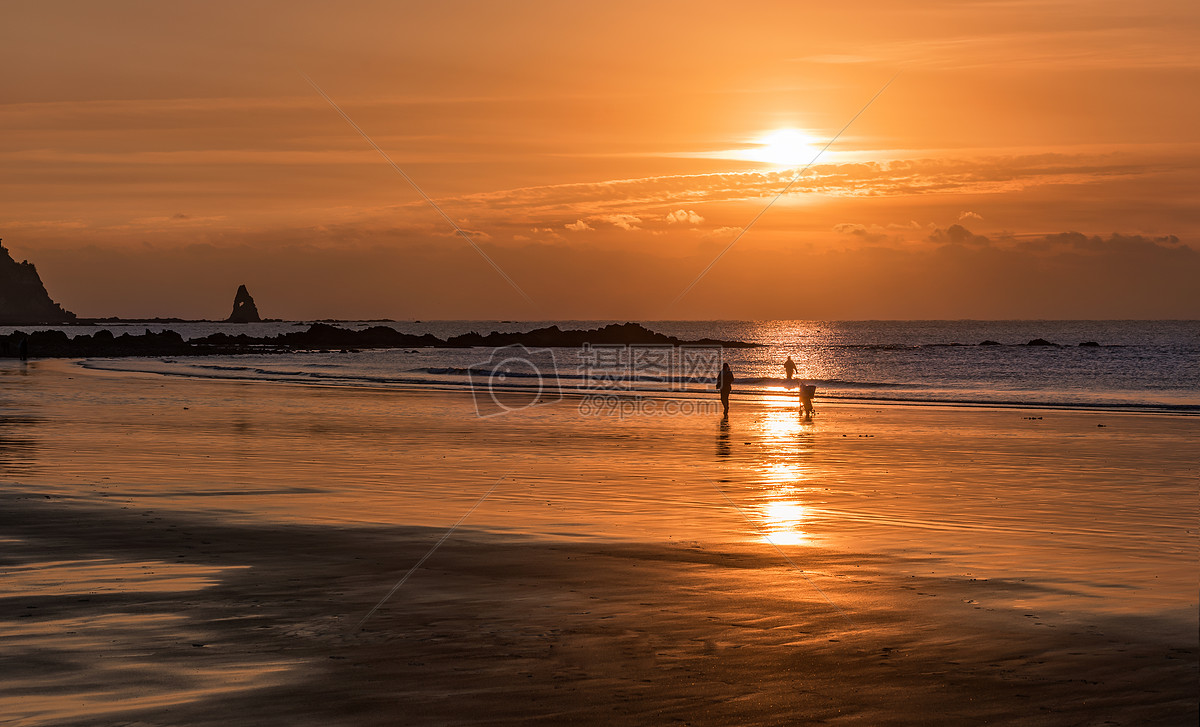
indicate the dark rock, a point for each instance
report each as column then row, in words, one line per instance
column 990, row 343
column 56, row 344
column 23, row 299
column 1040, row 342
column 1090, row 344
column 324, row 337
column 629, row 334
column 244, row 310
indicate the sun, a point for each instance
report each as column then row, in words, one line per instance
column 785, row 147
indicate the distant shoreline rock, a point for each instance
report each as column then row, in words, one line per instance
column 324, row 337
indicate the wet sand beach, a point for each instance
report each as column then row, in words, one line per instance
column 183, row 551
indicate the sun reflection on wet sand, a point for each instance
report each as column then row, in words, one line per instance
column 784, row 523
column 783, row 472
column 781, row 424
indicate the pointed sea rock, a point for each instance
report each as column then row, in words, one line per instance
column 244, row 310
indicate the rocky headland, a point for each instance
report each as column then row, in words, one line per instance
column 23, row 299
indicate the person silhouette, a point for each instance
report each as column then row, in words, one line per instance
column 807, row 393
column 725, row 384
column 790, row 367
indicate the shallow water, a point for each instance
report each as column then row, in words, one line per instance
column 1138, row 365
column 1091, row 517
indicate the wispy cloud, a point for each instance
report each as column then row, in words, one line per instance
column 625, row 222
column 1147, row 41
column 637, row 197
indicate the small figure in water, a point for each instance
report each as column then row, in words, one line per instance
column 790, row 367
column 725, row 384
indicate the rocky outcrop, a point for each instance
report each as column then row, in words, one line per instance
column 23, row 299
column 244, row 310
column 322, row 337
column 57, row 344
column 626, row 334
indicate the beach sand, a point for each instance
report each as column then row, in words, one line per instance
column 185, row 551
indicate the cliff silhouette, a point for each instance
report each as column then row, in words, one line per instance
column 23, row 299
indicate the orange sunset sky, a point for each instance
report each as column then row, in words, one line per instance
column 1030, row 159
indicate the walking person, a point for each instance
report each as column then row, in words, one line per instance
column 725, row 384
column 789, row 366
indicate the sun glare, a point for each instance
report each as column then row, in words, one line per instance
column 786, row 147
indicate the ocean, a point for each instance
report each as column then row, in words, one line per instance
column 1136, row 366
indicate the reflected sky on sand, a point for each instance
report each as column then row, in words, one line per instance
column 18, row 446
column 85, row 667
column 18, row 424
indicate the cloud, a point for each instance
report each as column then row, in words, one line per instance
column 723, row 232
column 910, row 225
column 625, row 222
column 1150, row 44
column 645, row 197
column 957, row 235
column 873, row 233
column 579, row 226
column 1115, row 241
column 849, row 228
column 969, row 216
column 687, row 216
